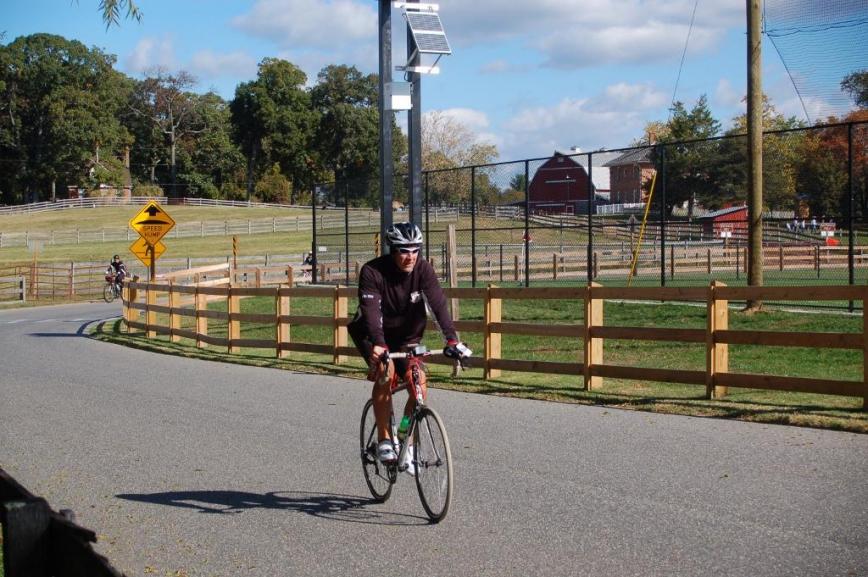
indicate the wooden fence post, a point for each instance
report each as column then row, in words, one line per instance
column 340, row 330
column 258, row 277
column 781, row 257
column 72, row 279
column 284, row 308
column 554, row 266
column 493, row 314
column 709, row 261
column 452, row 266
column 150, row 315
column 593, row 353
column 516, row 268
column 174, row 317
column 716, row 354
column 201, row 319
column 865, row 349
column 234, row 332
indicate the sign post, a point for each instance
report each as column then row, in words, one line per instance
column 152, row 223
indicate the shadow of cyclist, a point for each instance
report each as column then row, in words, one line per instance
column 325, row 505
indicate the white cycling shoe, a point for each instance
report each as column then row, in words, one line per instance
column 386, row 452
column 408, row 462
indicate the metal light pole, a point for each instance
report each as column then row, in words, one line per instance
column 386, row 168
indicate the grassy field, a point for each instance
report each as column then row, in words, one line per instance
column 824, row 411
column 118, row 217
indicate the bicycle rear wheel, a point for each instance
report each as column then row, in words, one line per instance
column 108, row 293
column 377, row 475
column 433, row 461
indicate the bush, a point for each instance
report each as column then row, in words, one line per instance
column 274, row 187
column 151, row 190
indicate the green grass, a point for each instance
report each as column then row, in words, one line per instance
column 825, row 411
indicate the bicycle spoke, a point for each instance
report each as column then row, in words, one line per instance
column 377, row 476
column 433, row 465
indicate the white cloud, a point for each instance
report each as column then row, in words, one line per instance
column 581, row 33
column 311, row 23
column 208, row 64
column 476, row 121
column 150, row 53
column 726, row 96
column 502, row 66
column 611, row 118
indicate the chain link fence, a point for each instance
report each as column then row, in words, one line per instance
column 669, row 214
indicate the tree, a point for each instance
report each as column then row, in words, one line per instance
column 274, row 123
column 347, row 135
column 822, row 177
column 856, row 85
column 780, row 154
column 448, row 144
column 211, row 160
column 111, row 10
column 689, row 174
column 60, row 103
column 166, row 102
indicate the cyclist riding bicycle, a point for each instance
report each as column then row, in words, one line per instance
column 118, row 269
column 394, row 292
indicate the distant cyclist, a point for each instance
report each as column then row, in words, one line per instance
column 118, row 269
column 393, row 291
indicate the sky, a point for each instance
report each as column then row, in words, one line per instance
column 530, row 77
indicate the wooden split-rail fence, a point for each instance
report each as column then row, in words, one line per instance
column 158, row 309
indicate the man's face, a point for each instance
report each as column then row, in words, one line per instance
column 406, row 257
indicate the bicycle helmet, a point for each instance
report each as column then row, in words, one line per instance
column 404, row 234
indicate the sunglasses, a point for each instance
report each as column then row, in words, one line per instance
column 408, row 250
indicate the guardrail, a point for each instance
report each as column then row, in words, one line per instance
column 38, row 542
column 589, row 334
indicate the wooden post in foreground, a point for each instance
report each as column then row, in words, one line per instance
column 716, row 354
column 234, row 332
column 593, row 353
column 340, row 330
column 201, row 319
column 174, row 317
column 284, row 308
column 452, row 255
column 864, row 349
column 493, row 314
column 150, row 315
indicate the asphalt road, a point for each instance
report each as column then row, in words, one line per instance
column 187, row 467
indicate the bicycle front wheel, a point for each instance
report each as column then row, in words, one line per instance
column 108, row 293
column 433, row 461
column 377, row 475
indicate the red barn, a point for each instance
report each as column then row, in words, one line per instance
column 559, row 186
column 725, row 223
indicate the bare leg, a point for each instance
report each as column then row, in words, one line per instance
column 382, row 396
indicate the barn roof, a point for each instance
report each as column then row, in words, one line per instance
column 599, row 177
column 721, row 212
column 635, row 156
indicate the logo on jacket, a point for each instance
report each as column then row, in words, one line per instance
column 415, row 297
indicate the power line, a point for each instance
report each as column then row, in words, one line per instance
column 683, row 55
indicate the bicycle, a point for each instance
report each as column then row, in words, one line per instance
column 431, row 457
column 112, row 289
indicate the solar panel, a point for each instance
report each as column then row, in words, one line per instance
column 427, row 31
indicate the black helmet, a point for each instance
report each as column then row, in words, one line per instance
column 116, row 257
column 404, row 234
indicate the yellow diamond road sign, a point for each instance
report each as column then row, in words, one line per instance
column 142, row 250
column 152, row 223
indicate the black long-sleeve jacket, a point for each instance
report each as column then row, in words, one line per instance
column 392, row 302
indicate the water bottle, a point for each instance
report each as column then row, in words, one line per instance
column 402, row 428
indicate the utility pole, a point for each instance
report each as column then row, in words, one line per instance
column 414, row 134
column 755, row 148
column 386, row 167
